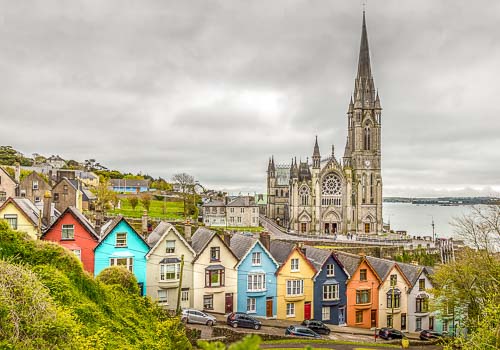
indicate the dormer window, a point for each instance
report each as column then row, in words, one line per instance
column 121, row 239
column 170, row 247
column 394, row 279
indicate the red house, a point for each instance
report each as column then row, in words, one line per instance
column 73, row 231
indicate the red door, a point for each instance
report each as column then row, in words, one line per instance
column 307, row 310
column 229, row 302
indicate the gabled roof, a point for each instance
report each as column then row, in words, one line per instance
column 8, row 175
column 73, row 183
column 280, row 250
column 242, row 245
column 202, row 237
column 25, row 207
column 87, row 194
column 350, row 261
column 80, row 218
column 159, row 234
column 381, row 266
column 110, row 225
column 319, row 257
column 241, row 201
column 299, row 251
column 214, row 203
column 412, row 272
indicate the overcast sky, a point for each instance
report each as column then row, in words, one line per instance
column 213, row 88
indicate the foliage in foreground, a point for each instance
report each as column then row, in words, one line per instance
column 47, row 301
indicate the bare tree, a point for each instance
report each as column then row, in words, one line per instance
column 186, row 183
column 146, row 201
column 133, row 202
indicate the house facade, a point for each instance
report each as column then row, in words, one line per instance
column 256, row 276
column 33, row 187
column 163, row 267
column 7, row 185
column 214, row 273
column 66, row 193
column 129, row 185
column 22, row 215
column 214, row 213
column 419, row 314
column 121, row 245
column 74, row 231
column 237, row 212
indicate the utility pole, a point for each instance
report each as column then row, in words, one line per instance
column 178, row 308
column 433, row 232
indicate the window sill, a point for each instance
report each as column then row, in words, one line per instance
column 290, row 316
column 121, row 246
column 294, row 270
column 67, row 239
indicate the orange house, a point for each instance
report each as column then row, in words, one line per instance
column 362, row 291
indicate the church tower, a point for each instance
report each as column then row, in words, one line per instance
column 362, row 156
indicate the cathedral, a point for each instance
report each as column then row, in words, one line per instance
column 330, row 195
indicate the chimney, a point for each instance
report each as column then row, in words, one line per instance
column 50, row 177
column 227, row 238
column 144, row 226
column 17, row 172
column 187, row 231
column 265, row 239
column 300, row 245
column 47, row 208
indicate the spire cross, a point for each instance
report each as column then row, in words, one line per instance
column 364, row 5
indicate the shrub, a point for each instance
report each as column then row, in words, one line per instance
column 119, row 275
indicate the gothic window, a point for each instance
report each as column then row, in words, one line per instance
column 331, row 185
column 304, row 195
column 367, row 138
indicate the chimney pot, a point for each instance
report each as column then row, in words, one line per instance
column 47, row 208
column 265, row 239
column 187, row 231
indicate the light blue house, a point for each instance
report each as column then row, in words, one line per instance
column 121, row 245
column 129, row 185
column 256, row 275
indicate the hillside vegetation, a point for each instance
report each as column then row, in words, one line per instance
column 47, row 301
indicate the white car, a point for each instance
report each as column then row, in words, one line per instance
column 195, row 316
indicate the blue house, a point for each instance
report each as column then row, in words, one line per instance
column 330, row 286
column 129, row 185
column 121, row 245
column 256, row 275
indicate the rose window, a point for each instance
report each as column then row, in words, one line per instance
column 332, row 186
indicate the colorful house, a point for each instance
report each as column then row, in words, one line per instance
column 8, row 185
column 330, row 282
column 256, row 275
column 129, row 185
column 22, row 215
column 362, row 291
column 73, row 231
column 121, row 245
column 163, row 267
column 214, row 272
column 419, row 313
column 295, row 292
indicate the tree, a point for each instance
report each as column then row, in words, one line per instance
column 133, row 202
column 146, row 201
column 121, row 276
column 186, row 184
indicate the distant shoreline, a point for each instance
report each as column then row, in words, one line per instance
column 445, row 201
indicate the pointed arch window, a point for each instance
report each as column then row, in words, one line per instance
column 304, row 195
column 367, row 138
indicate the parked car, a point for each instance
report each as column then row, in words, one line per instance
column 195, row 316
column 241, row 319
column 301, row 331
column 390, row 333
column 317, row 326
column 430, row 335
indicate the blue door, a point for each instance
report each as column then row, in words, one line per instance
column 341, row 315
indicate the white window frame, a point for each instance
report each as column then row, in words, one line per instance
column 169, row 268
column 121, row 242
column 294, row 265
column 330, row 270
column 170, row 247
column 78, row 253
column 163, row 299
column 294, row 287
column 251, row 305
column 35, row 185
column 11, row 220
column 208, row 297
column 290, row 309
column 68, row 229
column 256, row 259
column 331, row 291
column 256, row 282
column 129, row 263
column 325, row 313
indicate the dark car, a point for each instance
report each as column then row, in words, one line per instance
column 390, row 333
column 240, row 319
column 317, row 326
column 301, row 331
column 430, row 335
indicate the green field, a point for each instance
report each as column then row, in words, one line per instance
column 174, row 210
column 245, row 229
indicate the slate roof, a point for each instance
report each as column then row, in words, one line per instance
column 129, row 183
column 214, row 203
column 109, row 226
column 280, row 250
column 317, row 256
column 201, row 238
column 80, row 218
column 88, row 195
column 381, row 266
column 411, row 272
column 240, row 244
column 26, row 206
column 242, row 201
column 158, row 232
column 350, row 261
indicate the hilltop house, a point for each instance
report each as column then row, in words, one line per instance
column 67, row 193
column 33, row 187
column 241, row 211
column 56, row 161
column 129, row 185
column 8, row 185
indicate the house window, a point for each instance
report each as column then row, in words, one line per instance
column 330, row 270
column 11, row 220
column 290, row 309
column 170, row 247
column 256, row 282
column 242, row 210
column 445, row 325
column 363, row 296
column 163, row 296
column 394, row 280
column 403, row 321
column 56, row 197
column 239, row 219
column 128, row 263
column 3, row 196
column 185, row 295
column 169, row 272
column 231, row 219
column 397, row 300
column 214, row 278
column 214, row 210
column 35, row 184
column 294, row 287
column 362, row 275
column 68, row 232
column 37, row 200
column 389, row 321
column 431, row 323
column 78, row 253
column 359, row 316
column 232, row 210
column 418, row 324
column 325, row 313
column 65, row 188
column 208, row 302
column 422, row 304
column 421, row 284
column 121, row 239
column 251, row 305
column 214, row 254
column 331, row 292
column 23, row 193
column 256, row 259
column 294, row 265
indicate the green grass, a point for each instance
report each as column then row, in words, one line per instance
column 174, row 210
column 324, row 341
column 247, row 229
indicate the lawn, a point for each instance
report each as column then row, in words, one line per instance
column 174, row 210
column 244, row 229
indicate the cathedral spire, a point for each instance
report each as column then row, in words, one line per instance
column 364, row 88
column 316, row 147
column 316, row 158
column 364, row 68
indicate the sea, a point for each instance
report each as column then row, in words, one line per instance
column 416, row 219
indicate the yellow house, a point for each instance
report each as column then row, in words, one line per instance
column 22, row 215
column 295, row 287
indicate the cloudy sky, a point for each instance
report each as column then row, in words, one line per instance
column 213, row 88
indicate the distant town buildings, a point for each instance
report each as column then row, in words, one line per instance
column 241, row 211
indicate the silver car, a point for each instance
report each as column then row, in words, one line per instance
column 195, row 316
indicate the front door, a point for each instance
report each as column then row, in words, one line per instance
column 269, row 307
column 341, row 315
column 327, row 228
column 303, row 227
column 307, row 310
column 334, row 227
column 374, row 318
column 229, row 302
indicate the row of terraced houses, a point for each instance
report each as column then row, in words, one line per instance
column 253, row 274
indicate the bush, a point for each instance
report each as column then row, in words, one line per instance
column 119, row 275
